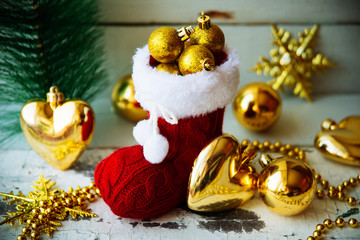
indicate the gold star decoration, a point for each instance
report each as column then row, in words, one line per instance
column 44, row 206
column 293, row 62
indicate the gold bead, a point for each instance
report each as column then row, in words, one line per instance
column 310, row 238
column 339, row 222
column 75, row 193
column 49, row 210
column 25, row 230
column 358, row 177
column 69, row 201
column 288, row 147
column 297, row 150
column 35, row 211
column 29, row 221
column 320, row 227
column 291, row 154
column 353, row 181
column 318, row 177
column 278, row 145
column 35, row 235
column 332, row 194
column 346, row 184
column 165, row 45
column 340, row 188
column 261, row 147
column 317, row 234
column 255, row 143
column 245, row 142
column 97, row 191
column 57, row 204
column 328, row 223
column 41, row 217
column 353, row 222
column 266, row 144
column 85, row 190
column 282, row 150
column 21, row 237
column 34, row 226
column 90, row 197
column 272, row 148
column 64, row 195
column 351, row 201
column 80, row 200
column 324, row 183
column 42, row 203
column 340, row 196
column 320, row 193
column 92, row 185
column 332, row 188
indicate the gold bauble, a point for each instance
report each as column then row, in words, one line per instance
column 222, row 177
column 165, row 45
column 124, row 102
column 208, row 35
column 196, row 58
column 171, row 68
column 58, row 130
column 257, row 106
column 287, row 186
column 340, row 142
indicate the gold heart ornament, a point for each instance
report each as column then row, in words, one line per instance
column 340, row 142
column 222, row 177
column 58, row 130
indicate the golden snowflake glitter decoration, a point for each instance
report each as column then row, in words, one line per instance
column 42, row 209
column 293, row 62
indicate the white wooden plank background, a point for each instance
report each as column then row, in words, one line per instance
column 127, row 25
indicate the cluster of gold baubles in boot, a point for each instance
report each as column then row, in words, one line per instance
column 186, row 50
column 223, row 177
column 58, row 129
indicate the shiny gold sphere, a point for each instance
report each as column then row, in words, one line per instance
column 124, row 102
column 196, row 58
column 257, row 106
column 287, row 186
column 165, row 45
column 212, row 38
column 171, row 68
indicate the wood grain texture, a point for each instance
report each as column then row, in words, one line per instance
column 230, row 11
column 252, row 221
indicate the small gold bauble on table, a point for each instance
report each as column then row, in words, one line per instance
column 286, row 185
column 171, row 68
column 196, row 58
column 165, row 45
column 257, row 106
column 222, row 177
column 58, row 130
column 208, row 35
column 340, row 142
column 124, row 102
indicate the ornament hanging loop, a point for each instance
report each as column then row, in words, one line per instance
column 54, row 97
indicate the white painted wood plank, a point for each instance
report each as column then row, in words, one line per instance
column 252, row 221
column 231, row 11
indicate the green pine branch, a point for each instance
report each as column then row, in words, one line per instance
column 45, row 43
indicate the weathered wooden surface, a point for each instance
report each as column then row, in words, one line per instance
column 19, row 168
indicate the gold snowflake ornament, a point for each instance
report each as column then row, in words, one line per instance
column 293, row 62
column 44, row 206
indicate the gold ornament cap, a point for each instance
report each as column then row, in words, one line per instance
column 54, row 97
column 185, row 32
column 204, row 21
column 328, row 124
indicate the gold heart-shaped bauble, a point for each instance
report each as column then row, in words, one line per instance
column 222, row 177
column 58, row 130
column 340, row 142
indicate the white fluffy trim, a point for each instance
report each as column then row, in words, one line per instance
column 191, row 95
column 142, row 131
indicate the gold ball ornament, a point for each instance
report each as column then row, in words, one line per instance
column 171, row 68
column 286, row 185
column 165, row 45
column 257, row 106
column 207, row 34
column 124, row 102
column 196, row 58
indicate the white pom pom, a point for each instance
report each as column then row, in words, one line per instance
column 142, row 131
column 156, row 148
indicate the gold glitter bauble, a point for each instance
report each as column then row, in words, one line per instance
column 257, row 106
column 286, row 185
column 171, row 68
column 165, row 45
column 124, row 102
column 208, row 35
column 196, row 58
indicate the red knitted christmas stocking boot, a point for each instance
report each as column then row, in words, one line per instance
column 186, row 113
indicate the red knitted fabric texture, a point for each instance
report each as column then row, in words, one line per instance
column 135, row 188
